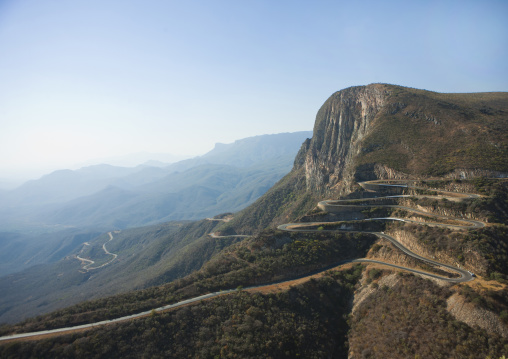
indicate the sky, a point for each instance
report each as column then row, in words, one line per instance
column 82, row 81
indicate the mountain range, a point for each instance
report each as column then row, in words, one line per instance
column 349, row 255
column 39, row 219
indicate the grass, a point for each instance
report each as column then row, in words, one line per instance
column 431, row 134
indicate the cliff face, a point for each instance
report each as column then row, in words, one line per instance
column 341, row 124
column 388, row 131
column 384, row 131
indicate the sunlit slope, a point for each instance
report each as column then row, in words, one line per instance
column 430, row 134
column 386, row 131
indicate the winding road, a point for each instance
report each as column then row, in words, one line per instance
column 328, row 205
column 341, row 205
column 90, row 262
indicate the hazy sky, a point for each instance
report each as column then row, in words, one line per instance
column 93, row 79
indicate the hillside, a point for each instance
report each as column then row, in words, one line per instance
column 37, row 217
column 433, row 212
column 196, row 193
column 391, row 132
column 19, row 251
column 105, row 197
column 145, row 256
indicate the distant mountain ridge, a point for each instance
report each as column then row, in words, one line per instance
column 64, row 185
column 446, row 142
column 101, row 198
column 248, row 151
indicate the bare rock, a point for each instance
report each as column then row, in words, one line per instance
column 473, row 315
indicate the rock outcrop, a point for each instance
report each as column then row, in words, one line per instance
column 473, row 315
column 382, row 131
column 341, row 124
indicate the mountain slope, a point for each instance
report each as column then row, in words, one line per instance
column 199, row 192
column 19, row 251
column 227, row 178
column 387, row 132
column 64, row 185
column 153, row 254
column 393, row 313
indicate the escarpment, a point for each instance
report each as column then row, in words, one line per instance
column 383, row 131
column 341, row 124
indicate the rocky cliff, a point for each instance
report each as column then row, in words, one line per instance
column 341, row 124
column 384, row 131
column 387, row 131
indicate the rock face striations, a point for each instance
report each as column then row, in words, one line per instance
column 341, row 124
column 387, row 131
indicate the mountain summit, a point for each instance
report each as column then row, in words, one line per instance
column 387, row 131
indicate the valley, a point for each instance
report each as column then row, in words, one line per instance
column 386, row 239
column 465, row 276
column 87, row 267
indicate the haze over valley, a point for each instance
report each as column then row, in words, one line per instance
column 44, row 220
column 161, row 195
column 397, row 218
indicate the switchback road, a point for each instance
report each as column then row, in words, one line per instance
column 301, row 227
column 91, row 262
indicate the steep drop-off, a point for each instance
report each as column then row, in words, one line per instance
column 341, row 125
column 386, row 131
column 382, row 131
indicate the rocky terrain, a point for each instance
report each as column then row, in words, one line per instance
column 431, row 143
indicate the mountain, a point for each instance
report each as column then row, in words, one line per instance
column 199, row 192
column 220, row 181
column 445, row 153
column 134, row 159
column 105, row 196
column 249, row 151
column 390, row 132
column 395, row 132
column 63, row 185
column 37, row 217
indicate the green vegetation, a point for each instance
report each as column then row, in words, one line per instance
column 269, row 257
column 285, row 201
column 428, row 133
column 373, row 274
column 307, row 321
column 417, row 133
column 147, row 256
column 410, row 320
column 274, row 255
column 19, row 251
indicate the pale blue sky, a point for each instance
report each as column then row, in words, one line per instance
column 91, row 79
